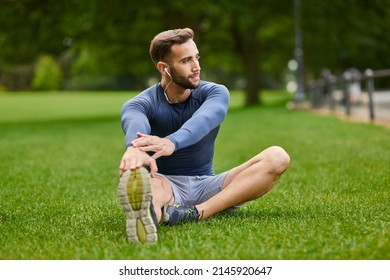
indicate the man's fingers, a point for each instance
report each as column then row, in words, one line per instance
column 136, row 158
column 139, row 134
column 153, row 168
column 131, row 164
column 151, row 148
column 158, row 154
column 122, row 168
column 145, row 140
column 137, row 143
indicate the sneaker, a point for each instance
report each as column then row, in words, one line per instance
column 177, row 214
column 135, row 196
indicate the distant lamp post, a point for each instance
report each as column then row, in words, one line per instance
column 300, row 93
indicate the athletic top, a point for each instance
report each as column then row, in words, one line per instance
column 192, row 125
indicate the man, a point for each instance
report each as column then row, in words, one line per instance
column 170, row 129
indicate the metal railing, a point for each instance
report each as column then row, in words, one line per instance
column 323, row 91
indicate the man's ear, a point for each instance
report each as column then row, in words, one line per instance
column 161, row 66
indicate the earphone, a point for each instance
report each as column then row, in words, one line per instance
column 165, row 90
column 165, row 69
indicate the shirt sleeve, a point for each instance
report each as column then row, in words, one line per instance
column 135, row 119
column 209, row 116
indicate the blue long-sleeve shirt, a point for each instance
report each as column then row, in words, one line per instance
column 192, row 125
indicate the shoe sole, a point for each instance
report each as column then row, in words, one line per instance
column 135, row 196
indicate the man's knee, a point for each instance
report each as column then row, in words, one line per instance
column 277, row 158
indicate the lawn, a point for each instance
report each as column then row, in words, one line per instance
column 59, row 157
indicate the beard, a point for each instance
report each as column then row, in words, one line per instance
column 182, row 81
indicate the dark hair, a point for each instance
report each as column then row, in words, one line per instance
column 161, row 44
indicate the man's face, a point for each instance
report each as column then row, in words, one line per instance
column 184, row 65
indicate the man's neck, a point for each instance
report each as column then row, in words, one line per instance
column 175, row 93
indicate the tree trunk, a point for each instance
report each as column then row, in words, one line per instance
column 248, row 48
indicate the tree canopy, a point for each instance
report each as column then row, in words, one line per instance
column 244, row 43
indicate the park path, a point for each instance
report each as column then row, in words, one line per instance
column 360, row 112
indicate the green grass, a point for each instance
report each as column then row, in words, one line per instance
column 59, row 155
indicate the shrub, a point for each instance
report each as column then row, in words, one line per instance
column 47, row 74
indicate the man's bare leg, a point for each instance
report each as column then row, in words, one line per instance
column 162, row 194
column 248, row 181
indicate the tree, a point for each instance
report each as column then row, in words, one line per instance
column 30, row 28
column 343, row 34
column 250, row 39
column 112, row 38
column 234, row 35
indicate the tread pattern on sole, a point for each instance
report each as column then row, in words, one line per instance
column 135, row 196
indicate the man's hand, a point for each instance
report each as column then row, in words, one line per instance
column 150, row 143
column 135, row 158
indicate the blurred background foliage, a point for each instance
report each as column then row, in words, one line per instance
column 246, row 44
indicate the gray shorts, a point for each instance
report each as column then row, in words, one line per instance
column 195, row 189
